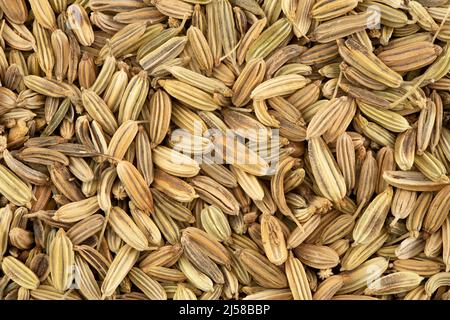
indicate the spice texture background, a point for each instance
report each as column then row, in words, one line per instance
column 224, row 149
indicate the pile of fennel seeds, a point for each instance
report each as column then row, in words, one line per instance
column 99, row 201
